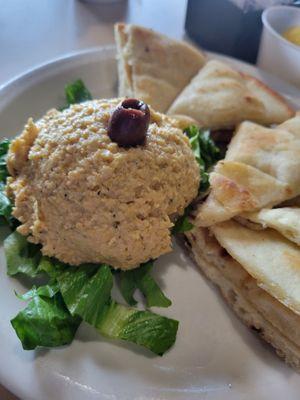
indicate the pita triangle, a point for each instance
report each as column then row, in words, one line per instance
column 153, row 67
column 260, row 169
column 219, row 97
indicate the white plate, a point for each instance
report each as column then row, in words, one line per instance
column 215, row 356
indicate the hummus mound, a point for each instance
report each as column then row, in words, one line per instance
column 87, row 200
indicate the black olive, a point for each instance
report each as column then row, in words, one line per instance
column 129, row 123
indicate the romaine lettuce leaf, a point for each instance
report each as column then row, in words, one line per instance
column 144, row 328
column 75, row 293
column 87, row 293
column 45, row 322
column 128, row 287
column 76, row 92
column 183, row 224
column 22, row 257
column 85, row 289
column 52, row 267
column 5, row 203
column 206, row 154
column 49, row 291
column 210, row 153
column 4, row 146
column 141, row 279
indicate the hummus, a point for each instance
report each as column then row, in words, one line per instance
column 87, row 200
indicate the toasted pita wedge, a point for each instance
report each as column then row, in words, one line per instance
column 182, row 121
column 285, row 220
column 276, row 109
column 273, row 151
column 272, row 320
column 237, row 188
column 267, row 256
column 292, row 125
column 295, row 202
column 240, row 183
column 219, row 97
column 153, row 67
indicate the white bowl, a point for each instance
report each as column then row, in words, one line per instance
column 276, row 54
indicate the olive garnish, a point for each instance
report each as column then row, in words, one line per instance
column 129, row 123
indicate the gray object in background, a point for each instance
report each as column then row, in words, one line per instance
column 231, row 27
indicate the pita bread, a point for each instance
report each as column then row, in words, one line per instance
column 260, row 170
column 182, row 121
column 267, row 256
column 276, row 109
column 153, row 67
column 257, row 271
column 273, row 321
column 219, row 97
column 285, row 220
column 292, row 125
column 237, row 188
column 273, row 151
column 294, row 202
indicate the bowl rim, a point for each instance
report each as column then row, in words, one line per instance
column 273, row 31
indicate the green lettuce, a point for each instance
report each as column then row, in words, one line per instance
column 206, row 154
column 76, row 92
column 80, row 293
column 183, row 223
column 49, row 291
column 141, row 279
column 88, row 294
column 45, row 322
column 144, row 328
column 5, row 204
column 128, row 287
column 4, row 146
column 22, row 257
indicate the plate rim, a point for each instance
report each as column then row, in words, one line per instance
column 28, row 74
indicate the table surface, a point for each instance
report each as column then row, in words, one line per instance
column 37, row 31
